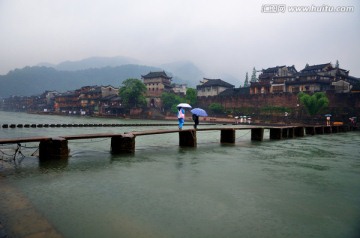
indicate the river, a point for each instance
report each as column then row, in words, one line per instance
column 302, row 187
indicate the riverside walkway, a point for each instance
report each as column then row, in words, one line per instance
column 57, row 147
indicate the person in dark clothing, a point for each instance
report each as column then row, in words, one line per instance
column 196, row 120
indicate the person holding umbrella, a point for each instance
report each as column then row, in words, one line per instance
column 181, row 117
column 181, row 113
column 198, row 112
column 196, row 120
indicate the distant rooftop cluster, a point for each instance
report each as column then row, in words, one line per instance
column 105, row 100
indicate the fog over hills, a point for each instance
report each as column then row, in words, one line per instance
column 70, row 75
column 91, row 63
column 36, row 80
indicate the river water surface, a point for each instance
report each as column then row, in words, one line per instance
column 303, row 187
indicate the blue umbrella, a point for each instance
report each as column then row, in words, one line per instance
column 199, row 112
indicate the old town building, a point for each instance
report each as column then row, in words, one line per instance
column 85, row 101
column 272, row 80
column 315, row 78
column 156, row 83
column 212, row 87
column 179, row 89
column 276, row 87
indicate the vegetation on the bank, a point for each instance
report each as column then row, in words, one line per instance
column 274, row 109
column 170, row 100
column 132, row 93
column 216, row 108
column 191, row 96
column 315, row 103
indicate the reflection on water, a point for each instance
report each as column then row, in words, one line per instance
column 305, row 187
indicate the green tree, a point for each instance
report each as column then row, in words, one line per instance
column 246, row 82
column 253, row 76
column 191, row 96
column 170, row 100
column 314, row 103
column 216, row 108
column 132, row 93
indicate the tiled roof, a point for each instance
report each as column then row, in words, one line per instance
column 272, row 70
column 315, row 67
column 215, row 82
column 94, row 90
column 111, row 98
column 235, row 91
column 159, row 74
column 353, row 80
column 68, row 94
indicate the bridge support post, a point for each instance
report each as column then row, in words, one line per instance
column 276, row 133
column 257, row 134
column 285, row 133
column 187, row 138
column 327, row 130
column 55, row 148
column 227, row 136
column 335, row 129
column 319, row 130
column 345, row 128
column 291, row 132
column 299, row 131
column 123, row 144
column 310, row 130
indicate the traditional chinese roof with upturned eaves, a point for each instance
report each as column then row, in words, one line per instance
column 111, row 98
column 316, row 67
column 272, row 70
column 159, row 74
column 235, row 91
column 215, row 83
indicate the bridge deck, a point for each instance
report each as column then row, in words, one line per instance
column 23, row 139
column 135, row 133
column 105, row 135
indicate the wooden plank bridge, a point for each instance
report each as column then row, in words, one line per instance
column 57, row 147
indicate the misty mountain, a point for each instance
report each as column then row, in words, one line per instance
column 187, row 72
column 36, row 80
column 181, row 71
column 70, row 75
column 232, row 80
column 184, row 72
column 91, row 63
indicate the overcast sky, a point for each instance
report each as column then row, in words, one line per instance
column 219, row 36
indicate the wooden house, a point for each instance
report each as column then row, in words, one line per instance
column 67, row 102
column 272, row 80
column 315, row 78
